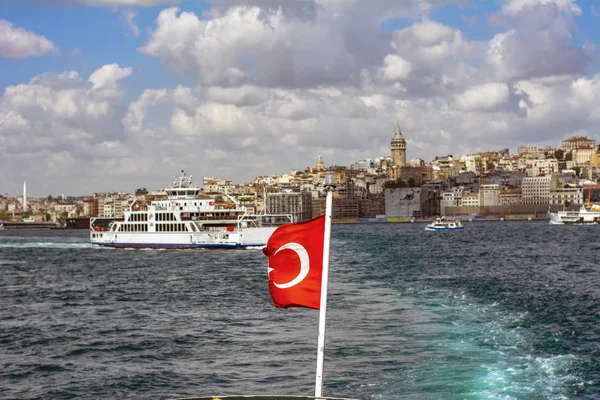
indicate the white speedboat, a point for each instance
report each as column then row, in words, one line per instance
column 586, row 215
column 443, row 224
column 184, row 220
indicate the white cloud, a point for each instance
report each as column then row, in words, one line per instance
column 18, row 43
column 484, row 97
column 57, row 120
column 538, row 42
column 395, row 68
column 108, row 75
column 277, row 44
column 112, row 3
column 277, row 82
column 128, row 15
column 513, row 7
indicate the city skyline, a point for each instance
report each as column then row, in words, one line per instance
column 103, row 95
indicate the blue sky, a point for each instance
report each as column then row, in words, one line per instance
column 266, row 92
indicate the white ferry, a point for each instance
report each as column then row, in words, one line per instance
column 443, row 224
column 184, row 220
column 589, row 215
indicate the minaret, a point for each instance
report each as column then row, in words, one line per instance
column 24, row 196
column 398, row 153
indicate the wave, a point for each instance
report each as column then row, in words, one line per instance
column 47, row 245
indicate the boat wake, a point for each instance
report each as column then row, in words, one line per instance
column 47, row 245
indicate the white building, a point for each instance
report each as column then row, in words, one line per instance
column 489, row 194
column 470, row 200
column 452, row 198
column 582, row 157
column 542, row 167
column 567, row 195
column 472, row 162
column 536, row 190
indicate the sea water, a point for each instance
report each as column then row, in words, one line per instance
column 501, row 310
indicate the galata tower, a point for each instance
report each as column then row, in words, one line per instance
column 398, row 153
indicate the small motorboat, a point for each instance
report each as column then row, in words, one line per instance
column 443, row 224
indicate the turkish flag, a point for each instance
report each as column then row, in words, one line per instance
column 295, row 254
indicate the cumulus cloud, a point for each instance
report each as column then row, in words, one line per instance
column 108, row 76
column 277, row 82
column 291, row 44
column 18, row 43
column 140, row 3
column 538, row 41
column 483, row 97
column 59, row 117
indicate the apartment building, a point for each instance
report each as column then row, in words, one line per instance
column 543, row 167
column 299, row 204
column 567, row 195
column 578, row 142
column 536, row 190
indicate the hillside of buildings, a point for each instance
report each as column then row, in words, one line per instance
column 530, row 182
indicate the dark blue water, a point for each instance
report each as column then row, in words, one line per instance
column 501, row 310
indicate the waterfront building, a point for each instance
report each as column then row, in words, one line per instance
column 510, row 197
column 299, row 204
column 489, row 195
column 536, row 190
column 567, row 195
column 470, row 200
column 430, row 198
column 402, row 201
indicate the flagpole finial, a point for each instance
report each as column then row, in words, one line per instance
column 329, row 183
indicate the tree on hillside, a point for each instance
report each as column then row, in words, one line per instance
column 559, row 154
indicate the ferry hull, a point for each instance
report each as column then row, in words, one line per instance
column 177, row 246
column 247, row 238
column 444, row 229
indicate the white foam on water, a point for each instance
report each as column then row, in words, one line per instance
column 478, row 351
column 12, row 262
column 492, row 335
column 47, row 245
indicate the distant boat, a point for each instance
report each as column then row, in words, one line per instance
column 584, row 216
column 1, row 227
column 443, row 224
column 588, row 214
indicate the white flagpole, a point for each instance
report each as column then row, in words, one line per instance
column 329, row 188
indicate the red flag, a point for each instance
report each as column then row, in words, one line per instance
column 295, row 254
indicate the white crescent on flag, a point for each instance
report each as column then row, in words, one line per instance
column 304, row 264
